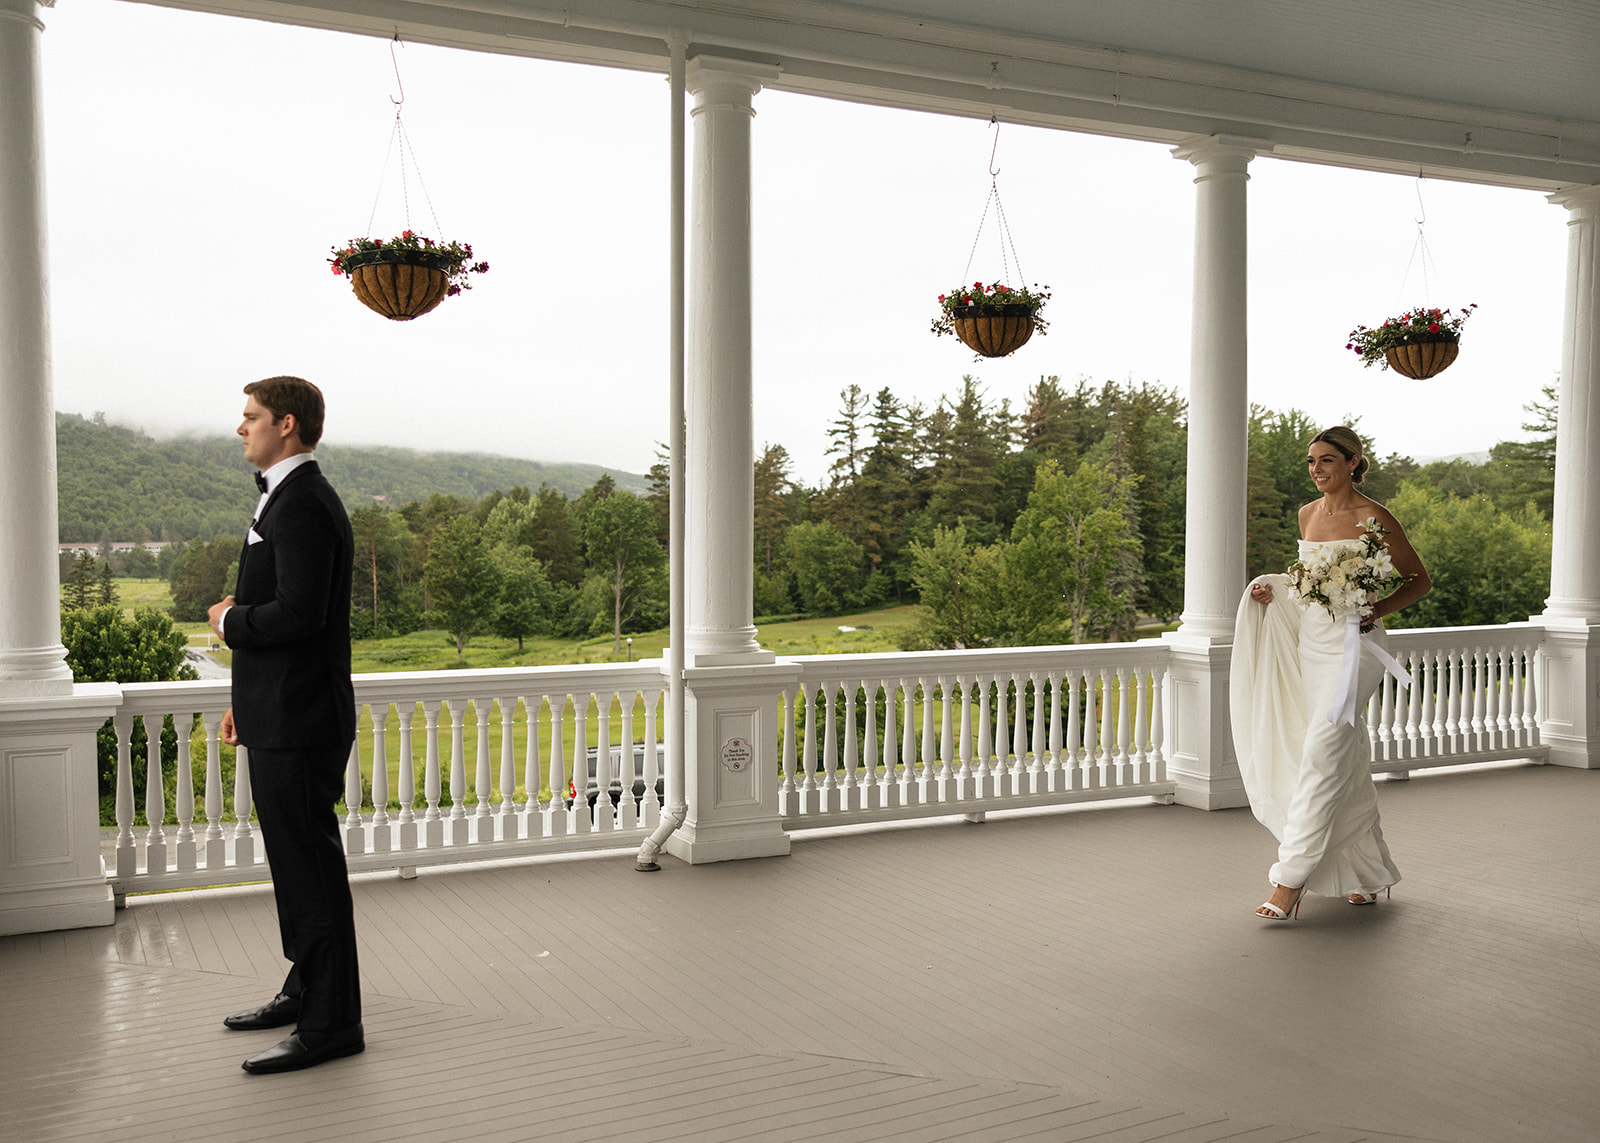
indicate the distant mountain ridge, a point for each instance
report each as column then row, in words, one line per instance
column 124, row 484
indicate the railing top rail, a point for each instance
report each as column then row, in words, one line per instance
column 1000, row 660
column 392, row 686
column 646, row 675
column 1417, row 637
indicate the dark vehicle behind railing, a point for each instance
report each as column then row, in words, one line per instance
column 592, row 784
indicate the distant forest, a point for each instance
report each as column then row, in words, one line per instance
column 118, row 483
column 1060, row 520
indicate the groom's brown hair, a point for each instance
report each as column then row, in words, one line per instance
column 292, row 395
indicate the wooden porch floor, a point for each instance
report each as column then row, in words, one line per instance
column 1091, row 974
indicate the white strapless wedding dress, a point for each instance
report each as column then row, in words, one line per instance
column 1309, row 780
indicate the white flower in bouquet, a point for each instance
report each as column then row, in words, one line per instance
column 1349, row 577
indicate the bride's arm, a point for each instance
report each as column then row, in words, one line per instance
column 1407, row 563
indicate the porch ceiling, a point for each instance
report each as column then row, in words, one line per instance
column 1496, row 91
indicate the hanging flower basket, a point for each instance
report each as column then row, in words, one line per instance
column 405, row 277
column 1423, row 359
column 993, row 320
column 1420, row 343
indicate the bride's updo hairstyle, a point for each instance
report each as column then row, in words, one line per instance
column 1349, row 445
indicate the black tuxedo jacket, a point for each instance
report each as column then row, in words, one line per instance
column 289, row 628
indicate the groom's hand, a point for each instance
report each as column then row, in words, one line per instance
column 214, row 616
column 226, row 732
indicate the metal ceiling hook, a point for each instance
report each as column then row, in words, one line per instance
column 396, row 61
column 994, row 121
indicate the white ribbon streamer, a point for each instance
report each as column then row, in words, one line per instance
column 1344, row 694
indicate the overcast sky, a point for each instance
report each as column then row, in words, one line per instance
column 200, row 167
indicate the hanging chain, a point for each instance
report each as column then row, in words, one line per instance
column 1003, row 228
column 399, row 132
column 1419, row 247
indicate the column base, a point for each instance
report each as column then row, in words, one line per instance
column 728, row 841
column 1200, row 757
column 51, row 873
column 731, row 763
column 1569, row 692
column 48, row 908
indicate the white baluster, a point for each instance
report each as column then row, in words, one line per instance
column 406, row 831
column 1532, row 701
column 127, row 847
column 1140, row 700
column 1452, row 703
column 1158, row 742
column 652, row 759
column 947, row 714
column 1389, row 693
column 1036, row 782
column 506, row 827
column 892, row 785
column 432, row 820
column 1053, row 771
column 382, row 832
column 986, row 774
column 480, row 823
column 458, row 830
column 1413, row 667
column 627, row 809
column 1121, row 760
column 1019, row 736
column 830, row 752
column 1501, row 665
column 910, row 792
column 1107, row 733
column 788, row 798
column 355, row 836
column 244, row 840
column 557, row 818
column 183, row 803
column 1073, row 761
column 927, row 792
column 532, row 810
column 582, row 814
column 1479, row 698
column 810, row 796
column 872, row 792
column 963, row 786
column 155, row 798
column 850, row 794
column 1002, row 729
column 1429, row 726
column 216, row 843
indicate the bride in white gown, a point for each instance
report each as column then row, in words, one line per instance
column 1302, row 747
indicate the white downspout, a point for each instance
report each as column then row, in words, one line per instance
column 677, row 804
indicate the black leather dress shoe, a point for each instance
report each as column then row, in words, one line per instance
column 305, row 1050
column 275, row 1013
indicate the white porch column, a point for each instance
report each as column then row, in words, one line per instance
column 51, row 875
column 718, row 405
column 731, row 684
column 1202, row 761
column 32, row 659
column 1569, row 675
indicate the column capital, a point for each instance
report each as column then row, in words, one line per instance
column 25, row 11
column 1229, row 152
column 1577, row 198
column 705, row 72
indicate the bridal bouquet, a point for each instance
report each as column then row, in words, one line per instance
column 1346, row 578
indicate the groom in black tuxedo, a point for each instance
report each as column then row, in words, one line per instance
column 288, row 625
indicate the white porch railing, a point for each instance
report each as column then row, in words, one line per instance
column 477, row 764
column 535, row 730
column 946, row 732
column 1472, row 699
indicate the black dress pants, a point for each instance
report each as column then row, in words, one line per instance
column 294, row 793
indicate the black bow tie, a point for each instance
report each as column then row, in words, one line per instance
column 261, row 482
